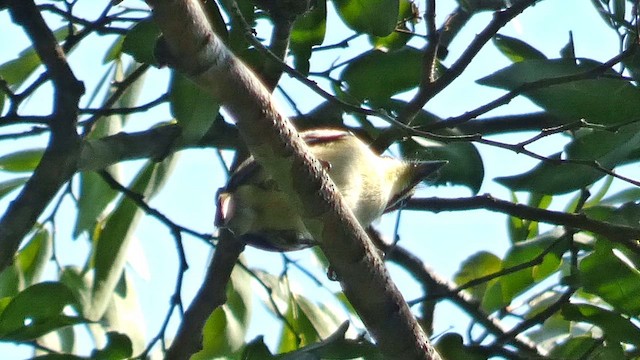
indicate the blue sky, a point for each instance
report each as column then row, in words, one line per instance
column 443, row 240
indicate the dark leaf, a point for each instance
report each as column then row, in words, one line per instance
column 602, row 100
column 194, row 109
column 619, row 285
column 376, row 76
column 140, row 41
column 308, row 31
column 118, row 348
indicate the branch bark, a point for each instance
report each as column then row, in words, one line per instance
column 276, row 145
column 212, row 294
column 59, row 161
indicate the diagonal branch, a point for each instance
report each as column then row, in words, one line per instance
column 59, row 161
column 276, row 145
column 438, row 287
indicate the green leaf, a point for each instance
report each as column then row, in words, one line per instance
column 569, row 51
column 615, row 327
column 36, row 311
column 140, row 41
column 627, row 214
column 603, row 100
column 619, row 285
column 194, row 109
column 11, row 281
column 124, row 313
column 465, row 165
column 80, row 285
column 336, row 346
column 523, row 229
column 114, row 51
column 451, row 346
column 374, row 17
column 256, row 349
column 34, row 256
column 8, row 186
column 476, row 266
column 503, row 291
column 225, row 330
column 59, row 357
column 587, row 347
column 516, row 50
column 554, row 329
column 118, row 348
column 21, row 161
column 398, row 39
column 94, row 196
column 608, row 149
column 16, row 71
column 113, row 240
column 308, row 30
column 623, row 196
column 377, row 76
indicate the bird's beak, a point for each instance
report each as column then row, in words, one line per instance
column 426, row 170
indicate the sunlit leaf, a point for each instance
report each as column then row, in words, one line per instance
column 36, row 311
column 375, row 17
column 34, row 256
column 587, row 347
column 398, row 38
column 615, row 326
column 109, row 255
column 516, row 50
column 8, row 186
column 16, row 71
column 124, row 313
column 21, row 161
column 619, row 285
column 476, row 266
column 336, row 346
column 225, row 330
column 503, row 291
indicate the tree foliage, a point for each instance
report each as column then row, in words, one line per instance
column 570, row 290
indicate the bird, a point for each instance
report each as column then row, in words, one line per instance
column 258, row 213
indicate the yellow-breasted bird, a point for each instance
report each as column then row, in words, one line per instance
column 257, row 212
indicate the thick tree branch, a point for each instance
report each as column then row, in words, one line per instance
column 154, row 143
column 276, row 145
column 212, row 294
column 437, row 288
column 59, row 161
